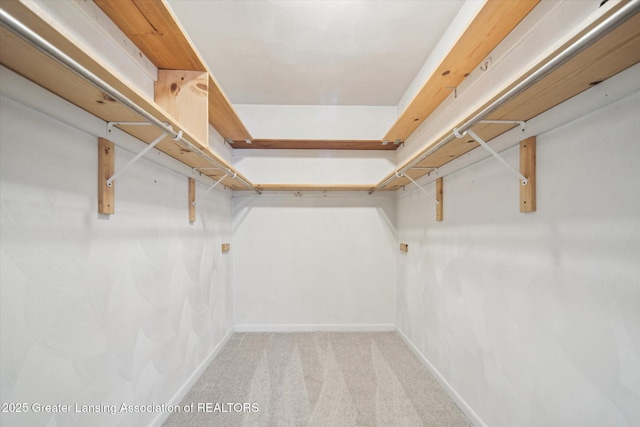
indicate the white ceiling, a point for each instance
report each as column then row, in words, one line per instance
column 309, row 52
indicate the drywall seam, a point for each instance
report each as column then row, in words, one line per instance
column 346, row 327
column 190, row 382
column 453, row 394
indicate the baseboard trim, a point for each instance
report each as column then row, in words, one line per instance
column 462, row 404
column 182, row 392
column 347, row 327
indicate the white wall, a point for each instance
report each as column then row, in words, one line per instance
column 314, row 166
column 314, row 263
column 317, row 121
column 96, row 309
column 534, row 319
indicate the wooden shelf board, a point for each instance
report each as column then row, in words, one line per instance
column 34, row 65
column 154, row 29
column 313, row 187
column 492, row 24
column 613, row 53
column 314, row 144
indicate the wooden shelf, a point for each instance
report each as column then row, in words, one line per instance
column 314, row 144
column 613, row 53
column 311, row 187
column 492, row 24
column 31, row 63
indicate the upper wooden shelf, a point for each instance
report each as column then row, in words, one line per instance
column 611, row 54
column 154, row 29
column 23, row 58
column 492, row 24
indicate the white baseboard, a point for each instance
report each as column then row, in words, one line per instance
column 182, row 392
column 462, row 404
column 347, row 327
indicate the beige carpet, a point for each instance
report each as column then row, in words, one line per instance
column 320, row 379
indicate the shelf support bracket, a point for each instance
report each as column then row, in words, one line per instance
column 106, row 163
column 192, row 200
column 213, row 186
column 404, row 175
column 528, row 169
column 439, row 205
column 137, row 157
column 493, row 152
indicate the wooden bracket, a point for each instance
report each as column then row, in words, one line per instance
column 404, row 247
column 528, row 169
column 226, row 247
column 192, row 199
column 106, row 167
column 439, row 205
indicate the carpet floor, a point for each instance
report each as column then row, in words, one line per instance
column 320, row 379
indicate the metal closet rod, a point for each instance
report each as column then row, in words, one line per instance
column 25, row 33
column 608, row 24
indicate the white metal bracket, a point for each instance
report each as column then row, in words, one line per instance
column 137, row 157
column 213, row 186
column 493, row 152
column 404, row 175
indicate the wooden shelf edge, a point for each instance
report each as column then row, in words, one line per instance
column 313, row 144
column 314, row 187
